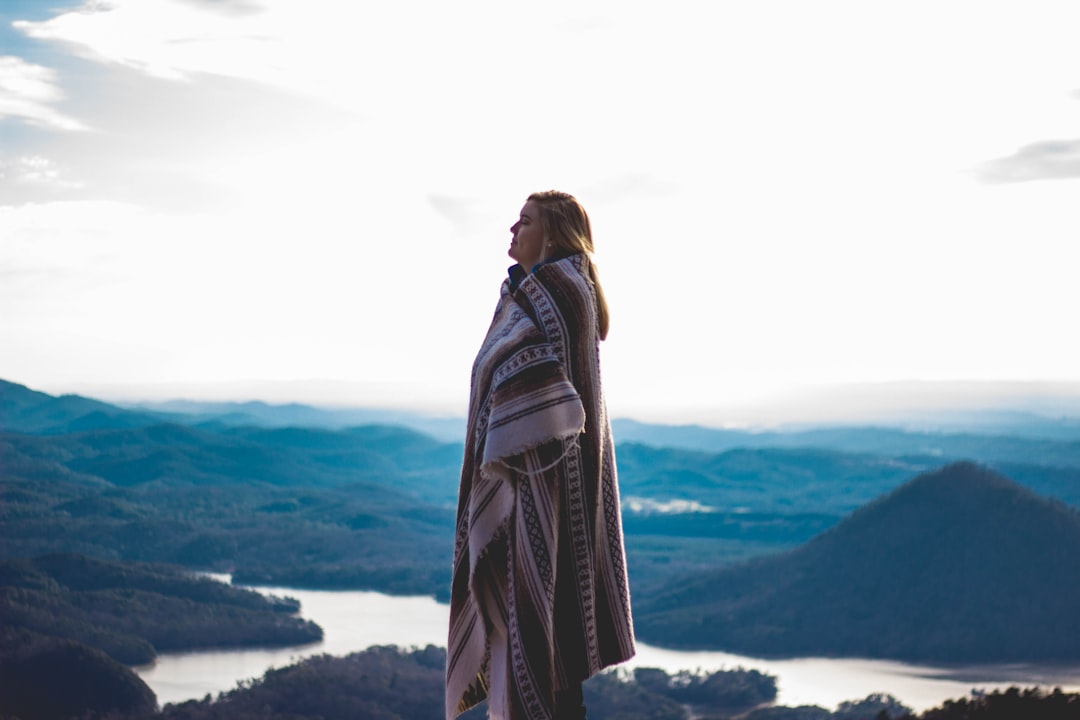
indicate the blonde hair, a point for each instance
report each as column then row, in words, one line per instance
column 566, row 227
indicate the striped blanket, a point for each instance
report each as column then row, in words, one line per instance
column 539, row 599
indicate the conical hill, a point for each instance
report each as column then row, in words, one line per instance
column 957, row 565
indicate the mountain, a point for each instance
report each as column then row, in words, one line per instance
column 48, row 678
column 29, row 411
column 798, row 480
column 366, row 508
column 240, row 487
column 772, row 479
column 132, row 611
column 261, row 414
column 385, row 456
column 1044, row 442
column 995, row 436
column 957, row 565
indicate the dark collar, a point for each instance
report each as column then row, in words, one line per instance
column 517, row 273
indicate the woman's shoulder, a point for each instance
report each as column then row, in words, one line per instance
column 567, row 275
column 569, row 267
column 563, row 288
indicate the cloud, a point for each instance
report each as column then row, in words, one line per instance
column 163, row 38
column 463, row 213
column 399, row 59
column 235, row 8
column 37, row 172
column 1046, row 160
column 28, row 92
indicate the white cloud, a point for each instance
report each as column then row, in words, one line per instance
column 1047, row 160
column 30, row 92
column 37, row 172
column 322, row 47
column 165, row 38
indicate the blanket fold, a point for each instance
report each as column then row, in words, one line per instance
column 539, row 598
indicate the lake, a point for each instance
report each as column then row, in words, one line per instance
column 357, row 620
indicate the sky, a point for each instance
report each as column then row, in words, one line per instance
column 311, row 201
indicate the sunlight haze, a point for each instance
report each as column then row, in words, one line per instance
column 311, row 201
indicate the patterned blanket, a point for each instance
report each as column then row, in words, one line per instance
column 539, row 599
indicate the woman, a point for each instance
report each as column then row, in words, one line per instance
column 539, row 600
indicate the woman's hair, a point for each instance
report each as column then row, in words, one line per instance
column 566, row 227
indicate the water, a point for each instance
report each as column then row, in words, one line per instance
column 357, row 620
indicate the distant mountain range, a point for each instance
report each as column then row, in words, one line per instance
column 957, row 565
column 366, row 507
column 30, row 411
column 997, row 435
column 254, row 491
column 827, row 470
column 1050, row 442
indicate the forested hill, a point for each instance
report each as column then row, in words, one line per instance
column 301, row 508
column 1050, row 441
column 372, row 507
column 993, row 437
column 29, row 411
column 69, row 624
column 132, row 611
column 957, row 565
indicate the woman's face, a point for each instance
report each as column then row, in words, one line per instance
column 527, row 245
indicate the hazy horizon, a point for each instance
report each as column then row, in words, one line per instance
column 894, row 402
column 784, row 196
